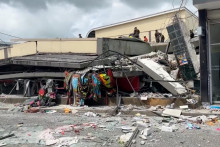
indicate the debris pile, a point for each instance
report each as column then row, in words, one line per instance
column 96, row 129
column 100, row 83
column 152, row 75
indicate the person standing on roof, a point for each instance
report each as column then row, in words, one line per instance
column 157, row 36
column 136, row 32
column 162, row 38
column 191, row 34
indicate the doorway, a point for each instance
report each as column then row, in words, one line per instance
column 215, row 60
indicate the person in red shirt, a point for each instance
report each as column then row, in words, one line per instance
column 145, row 39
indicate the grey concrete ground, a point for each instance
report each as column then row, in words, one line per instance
column 102, row 130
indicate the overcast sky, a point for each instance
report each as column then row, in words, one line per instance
column 68, row 18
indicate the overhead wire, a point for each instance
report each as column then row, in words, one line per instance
column 164, row 24
column 170, row 18
column 183, row 4
column 10, row 35
column 173, row 4
column 3, row 41
column 182, row 1
column 193, row 14
column 186, row 2
column 192, row 21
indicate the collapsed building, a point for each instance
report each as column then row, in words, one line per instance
column 95, row 70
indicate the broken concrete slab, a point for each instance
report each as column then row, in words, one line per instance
column 143, row 137
column 184, row 107
column 172, row 112
column 125, row 46
column 157, row 72
column 125, row 137
column 166, row 129
column 142, row 142
column 67, row 141
column 146, row 132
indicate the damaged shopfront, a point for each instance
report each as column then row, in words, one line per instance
column 113, row 72
column 209, row 28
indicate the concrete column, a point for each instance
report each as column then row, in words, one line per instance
column 149, row 36
column 27, row 88
column 204, row 58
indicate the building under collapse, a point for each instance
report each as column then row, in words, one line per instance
column 94, row 69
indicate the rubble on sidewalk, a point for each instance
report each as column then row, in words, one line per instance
column 124, row 138
column 90, row 114
column 154, row 75
column 166, row 129
column 157, row 72
column 86, row 129
column 172, row 112
column 117, row 92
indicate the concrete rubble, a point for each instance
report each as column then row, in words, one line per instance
column 100, row 92
column 101, row 129
column 172, row 112
column 158, row 73
column 156, row 77
column 103, row 79
column 161, row 67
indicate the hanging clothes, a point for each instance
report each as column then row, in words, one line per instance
column 109, row 83
column 105, row 79
column 84, row 86
column 110, row 74
column 67, row 80
column 96, row 83
column 76, row 84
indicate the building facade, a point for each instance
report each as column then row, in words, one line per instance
column 146, row 24
column 209, row 30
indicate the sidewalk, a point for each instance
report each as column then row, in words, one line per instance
column 125, row 110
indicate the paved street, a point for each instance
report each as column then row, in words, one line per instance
column 101, row 130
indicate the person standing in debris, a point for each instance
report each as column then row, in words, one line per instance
column 162, row 38
column 191, row 34
column 136, row 33
column 145, row 39
column 157, row 36
column 80, row 36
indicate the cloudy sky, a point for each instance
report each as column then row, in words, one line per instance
column 68, row 18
